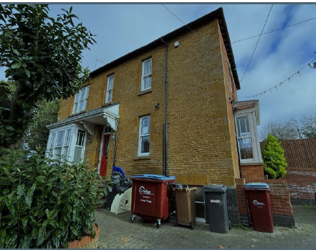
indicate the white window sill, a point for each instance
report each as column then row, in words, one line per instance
column 250, row 163
column 143, row 92
column 139, row 158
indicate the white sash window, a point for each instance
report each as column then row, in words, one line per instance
column 144, row 136
column 146, row 74
column 109, row 89
column 81, row 99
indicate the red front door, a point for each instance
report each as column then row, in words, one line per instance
column 104, row 156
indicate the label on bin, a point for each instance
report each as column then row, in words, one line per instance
column 258, row 203
column 215, row 201
column 144, row 191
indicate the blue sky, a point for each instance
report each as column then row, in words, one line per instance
column 122, row 28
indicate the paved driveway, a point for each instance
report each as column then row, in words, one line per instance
column 118, row 232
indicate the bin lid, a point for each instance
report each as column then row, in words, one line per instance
column 215, row 189
column 153, row 176
column 257, row 185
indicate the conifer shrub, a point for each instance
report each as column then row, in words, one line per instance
column 273, row 158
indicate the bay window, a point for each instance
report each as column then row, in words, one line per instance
column 67, row 142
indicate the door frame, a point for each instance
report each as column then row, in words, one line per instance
column 101, row 145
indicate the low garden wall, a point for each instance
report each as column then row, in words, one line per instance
column 302, row 184
column 86, row 242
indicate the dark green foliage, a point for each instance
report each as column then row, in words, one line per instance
column 41, row 55
column 45, row 203
column 273, row 158
column 37, row 133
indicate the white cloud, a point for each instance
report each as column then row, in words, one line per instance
column 122, row 28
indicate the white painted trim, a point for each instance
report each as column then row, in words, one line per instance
column 72, row 143
column 250, row 113
column 139, row 136
column 107, row 88
column 143, row 74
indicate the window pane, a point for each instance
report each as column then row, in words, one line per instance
column 147, row 82
column 80, row 138
column 57, row 153
column 60, row 138
column 82, row 94
column 245, row 148
column 109, row 96
column 145, row 144
column 52, row 140
column 82, row 105
column 243, row 127
column 86, row 92
column 147, row 67
column 67, row 137
column 110, row 82
column 77, row 154
column 145, row 126
column 65, row 153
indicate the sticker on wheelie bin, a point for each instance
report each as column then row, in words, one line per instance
column 215, row 201
column 145, row 194
column 258, row 204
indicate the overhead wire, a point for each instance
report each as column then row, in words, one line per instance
column 257, row 43
column 287, row 79
column 268, row 32
column 176, row 16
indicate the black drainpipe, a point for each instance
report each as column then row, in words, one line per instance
column 234, row 111
column 165, row 147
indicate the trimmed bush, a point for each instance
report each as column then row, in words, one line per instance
column 273, row 158
column 44, row 203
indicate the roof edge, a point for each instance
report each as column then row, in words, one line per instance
column 216, row 14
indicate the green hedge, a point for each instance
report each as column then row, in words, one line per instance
column 45, row 203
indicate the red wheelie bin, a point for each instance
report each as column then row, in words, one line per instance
column 260, row 206
column 151, row 197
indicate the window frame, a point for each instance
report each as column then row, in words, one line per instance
column 68, row 147
column 251, row 117
column 110, row 77
column 140, row 135
column 147, row 75
column 81, row 97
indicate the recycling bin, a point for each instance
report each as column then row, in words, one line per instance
column 151, row 197
column 185, row 207
column 216, row 208
column 259, row 205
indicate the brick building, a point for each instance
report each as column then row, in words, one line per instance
column 169, row 107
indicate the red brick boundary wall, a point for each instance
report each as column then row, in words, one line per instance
column 252, row 171
column 302, row 185
column 301, row 169
column 280, row 201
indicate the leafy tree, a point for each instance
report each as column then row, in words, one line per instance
column 282, row 130
column 273, row 158
column 42, row 57
column 308, row 127
column 37, row 133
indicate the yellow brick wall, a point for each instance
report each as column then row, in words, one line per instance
column 201, row 145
